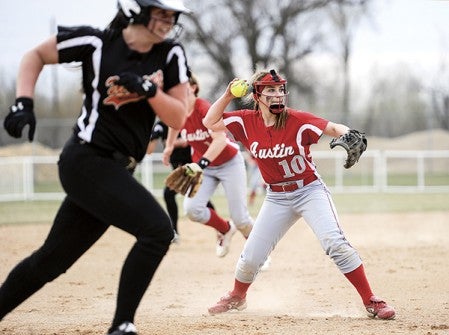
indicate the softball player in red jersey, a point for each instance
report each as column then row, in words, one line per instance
column 223, row 164
column 279, row 138
column 131, row 73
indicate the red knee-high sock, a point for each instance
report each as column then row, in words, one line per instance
column 240, row 289
column 360, row 282
column 217, row 222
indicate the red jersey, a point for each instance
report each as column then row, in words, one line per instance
column 282, row 154
column 199, row 137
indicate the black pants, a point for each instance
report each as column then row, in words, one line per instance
column 100, row 193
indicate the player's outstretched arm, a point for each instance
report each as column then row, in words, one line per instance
column 335, row 129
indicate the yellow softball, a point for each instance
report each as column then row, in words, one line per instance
column 239, row 88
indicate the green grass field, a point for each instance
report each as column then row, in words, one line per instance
column 23, row 212
column 442, row 179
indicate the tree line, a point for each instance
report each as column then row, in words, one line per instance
column 226, row 39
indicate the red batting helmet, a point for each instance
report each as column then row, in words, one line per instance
column 269, row 79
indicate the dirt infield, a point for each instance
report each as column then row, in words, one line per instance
column 405, row 255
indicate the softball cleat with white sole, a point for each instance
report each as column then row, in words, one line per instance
column 228, row 303
column 379, row 308
column 224, row 240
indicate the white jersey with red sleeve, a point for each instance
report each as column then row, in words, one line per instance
column 198, row 136
column 282, row 154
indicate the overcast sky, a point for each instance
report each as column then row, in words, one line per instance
column 410, row 31
column 415, row 32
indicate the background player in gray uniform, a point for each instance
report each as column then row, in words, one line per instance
column 223, row 163
column 279, row 138
column 180, row 156
column 131, row 73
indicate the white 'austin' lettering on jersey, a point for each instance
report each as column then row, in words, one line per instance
column 278, row 151
column 198, row 135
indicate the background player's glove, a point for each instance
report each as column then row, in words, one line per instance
column 185, row 179
column 136, row 84
column 354, row 142
column 20, row 115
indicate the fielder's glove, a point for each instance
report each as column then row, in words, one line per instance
column 20, row 115
column 354, row 142
column 136, row 84
column 185, row 179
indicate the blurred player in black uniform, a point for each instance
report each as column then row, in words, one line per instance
column 131, row 73
column 181, row 155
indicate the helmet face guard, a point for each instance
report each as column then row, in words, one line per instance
column 278, row 103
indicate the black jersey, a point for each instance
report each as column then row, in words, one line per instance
column 179, row 156
column 109, row 118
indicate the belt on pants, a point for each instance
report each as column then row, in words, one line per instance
column 292, row 186
column 128, row 162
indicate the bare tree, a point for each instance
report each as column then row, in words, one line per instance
column 439, row 95
column 7, row 97
column 345, row 18
column 233, row 35
column 396, row 104
column 440, row 106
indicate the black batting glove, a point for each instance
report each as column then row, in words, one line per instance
column 20, row 115
column 136, row 84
